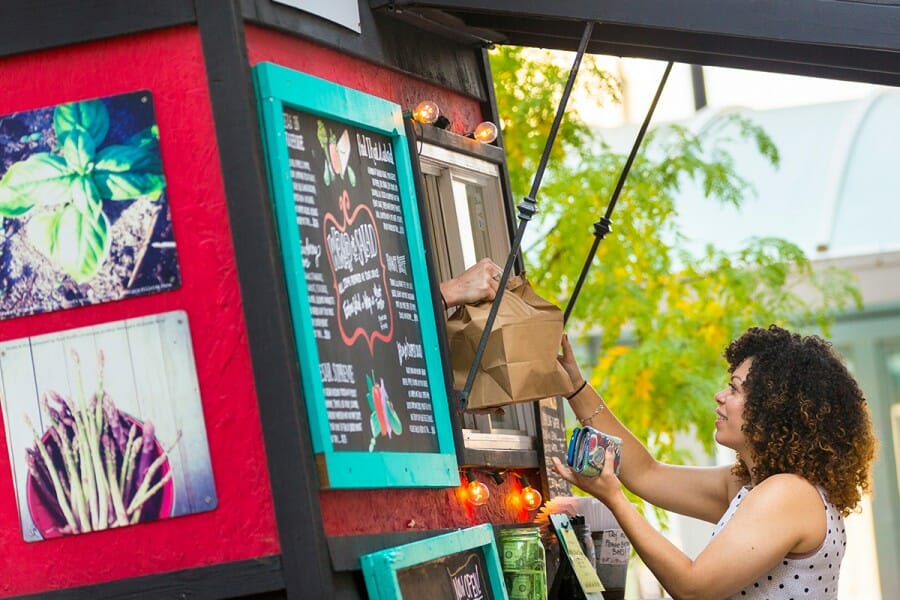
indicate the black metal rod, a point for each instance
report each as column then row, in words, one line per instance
column 526, row 209
column 603, row 226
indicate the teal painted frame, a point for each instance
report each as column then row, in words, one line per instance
column 276, row 88
column 380, row 568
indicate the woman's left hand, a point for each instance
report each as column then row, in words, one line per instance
column 606, row 487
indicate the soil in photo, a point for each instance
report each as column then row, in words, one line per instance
column 142, row 259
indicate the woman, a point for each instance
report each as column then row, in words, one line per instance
column 804, row 441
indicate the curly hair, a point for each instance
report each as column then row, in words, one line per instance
column 804, row 414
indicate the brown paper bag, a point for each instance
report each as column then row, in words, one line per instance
column 519, row 362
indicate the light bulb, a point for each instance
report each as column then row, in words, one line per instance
column 531, row 498
column 478, row 492
column 426, row 111
column 485, row 132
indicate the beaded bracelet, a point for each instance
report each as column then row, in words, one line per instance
column 596, row 412
column 444, row 302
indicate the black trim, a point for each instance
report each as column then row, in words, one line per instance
column 384, row 41
column 842, row 40
column 40, row 24
column 226, row 580
column 345, row 550
column 264, row 295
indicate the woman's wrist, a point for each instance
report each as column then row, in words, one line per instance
column 578, row 389
column 585, row 405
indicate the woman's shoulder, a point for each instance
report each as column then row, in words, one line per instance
column 787, row 492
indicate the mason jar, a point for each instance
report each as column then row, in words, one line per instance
column 524, row 564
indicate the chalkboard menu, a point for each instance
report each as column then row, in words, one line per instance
column 363, row 317
column 460, row 576
column 460, row 565
column 553, row 438
column 361, row 293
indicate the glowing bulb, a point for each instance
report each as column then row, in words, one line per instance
column 531, row 498
column 426, row 111
column 478, row 492
column 485, row 132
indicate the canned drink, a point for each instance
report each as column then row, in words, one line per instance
column 524, row 563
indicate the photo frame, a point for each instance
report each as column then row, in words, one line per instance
column 85, row 206
column 359, row 291
column 463, row 564
column 123, row 394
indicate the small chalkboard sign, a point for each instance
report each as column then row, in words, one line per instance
column 462, row 565
column 363, row 317
column 553, row 443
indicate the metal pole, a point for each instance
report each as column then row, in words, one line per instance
column 603, row 226
column 526, row 209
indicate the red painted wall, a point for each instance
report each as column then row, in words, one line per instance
column 170, row 64
column 347, row 512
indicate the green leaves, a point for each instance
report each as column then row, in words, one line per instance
column 128, row 172
column 659, row 314
column 39, row 179
column 75, row 240
column 67, row 187
column 90, row 117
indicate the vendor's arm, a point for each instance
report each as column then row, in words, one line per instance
column 782, row 515
column 700, row 492
column 476, row 284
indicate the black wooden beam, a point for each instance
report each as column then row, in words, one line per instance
column 383, row 41
column 40, row 24
column 292, row 472
column 225, row 580
column 822, row 38
column 345, row 550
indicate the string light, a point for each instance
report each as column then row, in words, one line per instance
column 426, row 111
column 485, row 132
column 531, row 498
column 477, row 492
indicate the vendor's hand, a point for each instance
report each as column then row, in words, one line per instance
column 605, row 486
column 476, row 284
column 567, row 360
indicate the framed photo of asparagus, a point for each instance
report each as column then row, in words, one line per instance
column 105, row 427
column 354, row 259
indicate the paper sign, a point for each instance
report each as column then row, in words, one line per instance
column 614, row 548
column 584, row 570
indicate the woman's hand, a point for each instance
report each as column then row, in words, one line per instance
column 605, row 486
column 567, row 360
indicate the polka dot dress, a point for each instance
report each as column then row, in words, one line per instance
column 812, row 577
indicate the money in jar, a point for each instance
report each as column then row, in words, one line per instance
column 523, row 562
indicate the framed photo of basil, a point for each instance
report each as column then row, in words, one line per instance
column 363, row 318
column 461, row 564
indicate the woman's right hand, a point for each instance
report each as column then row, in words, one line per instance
column 567, row 360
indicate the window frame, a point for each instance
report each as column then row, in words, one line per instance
column 439, row 153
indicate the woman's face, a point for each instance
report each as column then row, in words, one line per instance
column 730, row 409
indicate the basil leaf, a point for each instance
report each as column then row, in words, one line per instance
column 75, row 241
column 90, row 116
column 148, row 139
column 128, row 172
column 78, row 148
column 86, row 197
column 40, row 179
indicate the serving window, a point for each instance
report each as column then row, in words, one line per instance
column 462, row 184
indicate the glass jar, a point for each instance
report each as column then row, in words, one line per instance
column 524, row 564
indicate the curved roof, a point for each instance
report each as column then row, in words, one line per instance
column 836, row 192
